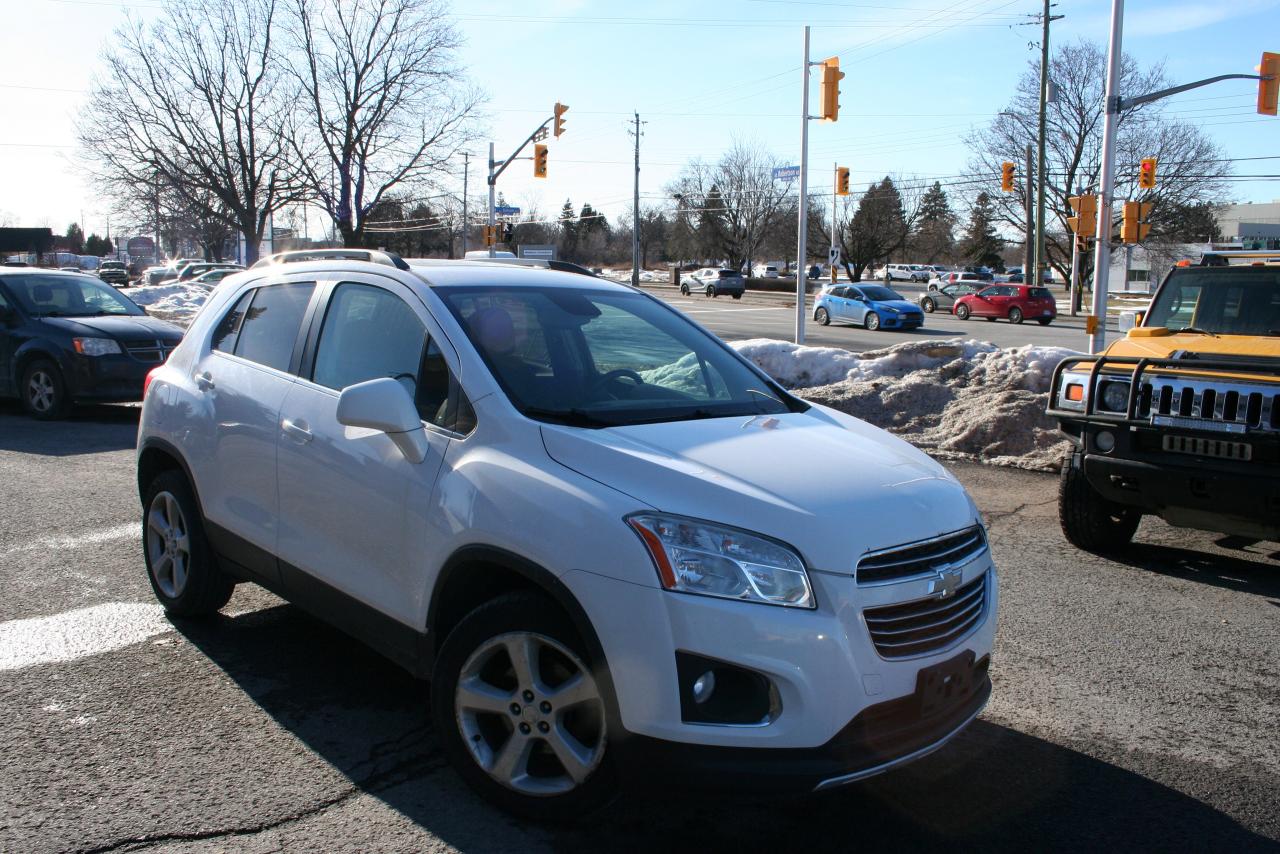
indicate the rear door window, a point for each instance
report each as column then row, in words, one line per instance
column 270, row 326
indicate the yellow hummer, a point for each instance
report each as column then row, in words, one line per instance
column 1181, row 417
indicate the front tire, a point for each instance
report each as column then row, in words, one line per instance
column 1089, row 521
column 520, row 713
column 1015, row 315
column 684, row 290
column 822, row 316
column 928, row 305
column 44, row 392
column 962, row 311
column 180, row 564
column 871, row 321
column 711, row 291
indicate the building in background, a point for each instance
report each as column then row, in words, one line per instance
column 1254, row 225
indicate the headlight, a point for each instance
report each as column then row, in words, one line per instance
column 1115, row 396
column 692, row 556
column 95, row 346
column 890, row 308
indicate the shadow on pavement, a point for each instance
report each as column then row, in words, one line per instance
column 1259, row 577
column 992, row 788
column 88, row 430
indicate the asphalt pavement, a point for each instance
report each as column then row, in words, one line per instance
column 771, row 314
column 1135, row 704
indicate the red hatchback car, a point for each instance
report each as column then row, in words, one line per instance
column 1016, row 302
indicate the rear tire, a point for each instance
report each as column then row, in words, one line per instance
column 1045, row 321
column 476, row 738
column 711, row 291
column 737, row 296
column 180, row 565
column 684, row 290
column 44, row 392
column 1090, row 521
column 962, row 311
column 927, row 305
column 1015, row 315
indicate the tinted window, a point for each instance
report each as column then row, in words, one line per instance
column 1237, row 301
column 68, row 296
column 1040, row 293
column 880, row 294
column 440, row 399
column 368, row 333
column 989, row 292
column 228, row 329
column 270, row 327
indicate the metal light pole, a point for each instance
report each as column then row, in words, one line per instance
column 466, row 167
column 802, row 231
column 1102, row 256
column 635, row 215
column 493, row 202
column 835, row 177
column 1029, row 250
column 1044, row 98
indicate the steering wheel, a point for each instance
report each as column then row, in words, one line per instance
column 614, row 376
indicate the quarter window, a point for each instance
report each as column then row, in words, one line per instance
column 270, row 326
column 228, row 329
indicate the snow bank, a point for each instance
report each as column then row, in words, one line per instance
column 178, row 303
column 955, row 399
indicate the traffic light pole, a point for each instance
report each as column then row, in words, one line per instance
column 496, row 168
column 835, row 197
column 802, row 231
column 1039, row 259
column 1029, row 250
column 1102, row 257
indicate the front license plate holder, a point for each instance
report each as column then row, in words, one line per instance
column 941, row 686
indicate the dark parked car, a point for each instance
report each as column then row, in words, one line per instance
column 114, row 273
column 1015, row 302
column 66, row 338
column 945, row 297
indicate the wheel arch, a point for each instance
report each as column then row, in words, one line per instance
column 157, row 456
column 37, row 348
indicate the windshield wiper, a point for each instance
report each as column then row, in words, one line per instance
column 1195, row 330
column 772, row 397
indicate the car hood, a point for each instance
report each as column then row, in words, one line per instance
column 828, row 484
column 125, row 328
column 899, row 304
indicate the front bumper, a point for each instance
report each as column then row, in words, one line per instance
column 901, row 321
column 116, row 378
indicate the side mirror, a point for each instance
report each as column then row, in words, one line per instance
column 385, row 406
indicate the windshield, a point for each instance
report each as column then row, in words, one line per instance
column 1225, row 301
column 68, row 296
column 880, row 294
column 604, row 359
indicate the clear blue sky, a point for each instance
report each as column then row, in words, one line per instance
column 919, row 75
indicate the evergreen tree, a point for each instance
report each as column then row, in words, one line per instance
column 569, row 232
column 934, row 239
column 879, row 227
column 75, row 238
column 982, row 245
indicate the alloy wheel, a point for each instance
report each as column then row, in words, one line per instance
column 530, row 714
column 168, row 544
column 41, row 392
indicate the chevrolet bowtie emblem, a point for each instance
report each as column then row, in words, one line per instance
column 946, row 584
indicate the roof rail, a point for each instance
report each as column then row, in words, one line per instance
column 373, row 256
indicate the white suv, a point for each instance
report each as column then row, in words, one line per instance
column 613, row 544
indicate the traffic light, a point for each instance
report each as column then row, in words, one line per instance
column 1147, row 173
column 539, row 161
column 1006, row 177
column 488, row 232
column 1134, row 229
column 1085, row 222
column 1268, row 90
column 505, row 231
column 842, row 181
column 831, row 77
column 561, row 109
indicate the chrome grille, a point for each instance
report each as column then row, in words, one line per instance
column 1208, row 405
column 152, row 351
column 921, row 558
column 1208, row 447
column 927, row 625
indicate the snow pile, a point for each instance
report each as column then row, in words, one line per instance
column 177, row 302
column 955, row 399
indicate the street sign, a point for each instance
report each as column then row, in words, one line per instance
column 140, row 246
column 545, row 251
column 833, row 256
column 506, row 210
column 786, row 173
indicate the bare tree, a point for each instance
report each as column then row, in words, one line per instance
column 1191, row 166
column 385, row 104
column 734, row 203
column 199, row 100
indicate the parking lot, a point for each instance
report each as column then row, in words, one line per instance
column 1135, row 701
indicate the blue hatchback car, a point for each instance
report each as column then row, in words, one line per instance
column 872, row 306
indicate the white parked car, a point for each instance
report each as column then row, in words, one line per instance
column 906, row 272
column 765, row 271
column 613, row 544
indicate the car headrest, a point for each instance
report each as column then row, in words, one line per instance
column 494, row 330
column 42, row 293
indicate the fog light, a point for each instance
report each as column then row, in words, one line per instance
column 1104, row 441
column 703, row 686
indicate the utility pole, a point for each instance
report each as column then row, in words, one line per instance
column 635, row 213
column 466, row 167
column 835, row 171
column 1040, row 182
column 1097, row 324
column 493, row 201
column 1029, row 250
column 802, row 232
